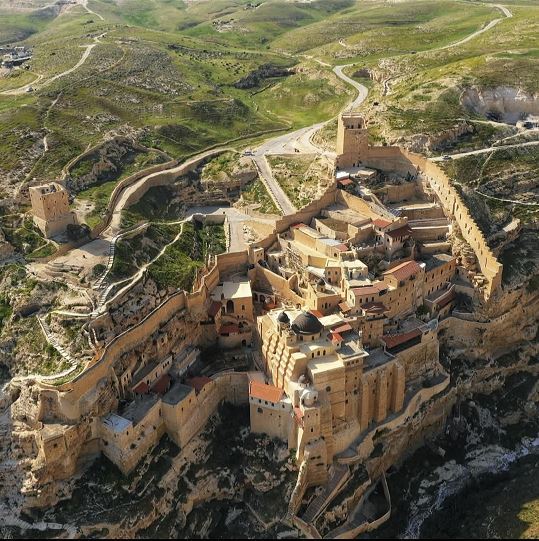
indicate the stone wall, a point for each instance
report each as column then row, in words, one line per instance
column 456, row 207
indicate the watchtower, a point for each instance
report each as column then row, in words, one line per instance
column 352, row 140
column 50, row 206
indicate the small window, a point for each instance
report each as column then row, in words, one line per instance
column 259, row 410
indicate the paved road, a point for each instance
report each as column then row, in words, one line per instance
column 235, row 219
column 298, row 142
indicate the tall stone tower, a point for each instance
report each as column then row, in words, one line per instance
column 50, row 206
column 352, row 140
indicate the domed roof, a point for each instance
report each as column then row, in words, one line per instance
column 306, row 323
column 283, row 318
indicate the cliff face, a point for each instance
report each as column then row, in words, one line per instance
column 505, row 103
column 430, row 142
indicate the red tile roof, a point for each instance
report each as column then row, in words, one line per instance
column 317, row 313
column 393, row 340
column 446, row 299
column 344, row 307
column 214, row 308
column 373, row 289
column 231, row 328
column 346, row 182
column 198, row 383
column 141, row 388
column 381, row 223
column 336, row 337
column 404, row 270
column 342, row 247
column 265, row 392
column 403, row 231
column 343, row 328
column 162, row 385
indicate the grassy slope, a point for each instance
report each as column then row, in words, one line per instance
column 168, row 68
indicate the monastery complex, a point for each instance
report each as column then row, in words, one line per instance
column 339, row 313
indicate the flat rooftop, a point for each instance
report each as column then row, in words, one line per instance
column 351, row 346
column 325, row 364
column 137, row 410
column 436, row 260
column 177, row 393
column 376, row 357
column 239, row 289
column 345, row 214
column 116, row 423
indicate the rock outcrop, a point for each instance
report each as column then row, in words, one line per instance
column 504, row 103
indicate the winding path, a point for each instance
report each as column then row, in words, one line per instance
column 486, row 150
column 299, row 142
column 507, row 14
column 36, row 84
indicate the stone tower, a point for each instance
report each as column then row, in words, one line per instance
column 352, row 140
column 50, row 207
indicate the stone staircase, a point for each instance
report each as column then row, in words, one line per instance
column 112, row 250
column 54, row 343
column 339, row 473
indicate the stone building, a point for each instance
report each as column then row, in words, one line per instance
column 332, row 382
column 50, row 207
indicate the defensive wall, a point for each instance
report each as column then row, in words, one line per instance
column 456, row 207
column 70, row 393
column 400, row 160
column 181, row 421
column 157, row 175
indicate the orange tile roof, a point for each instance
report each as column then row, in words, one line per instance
column 344, row 307
column 403, row 231
column 343, row 328
column 214, row 308
column 346, row 182
column 162, row 384
column 265, row 392
column 317, row 313
column 393, row 340
column 367, row 290
column 336, row 337
column 381, row 223
column 374, row 307
column 404, row 270
column 231, row 328
column 141, row 388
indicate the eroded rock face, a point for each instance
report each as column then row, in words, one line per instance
column 429, row 142
column 503, row 103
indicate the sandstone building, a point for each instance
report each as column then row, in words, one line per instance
column 337, row 316
column 50, row 207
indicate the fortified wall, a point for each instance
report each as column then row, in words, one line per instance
column 70, row 394
column 353, row 150
column 456, row 207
